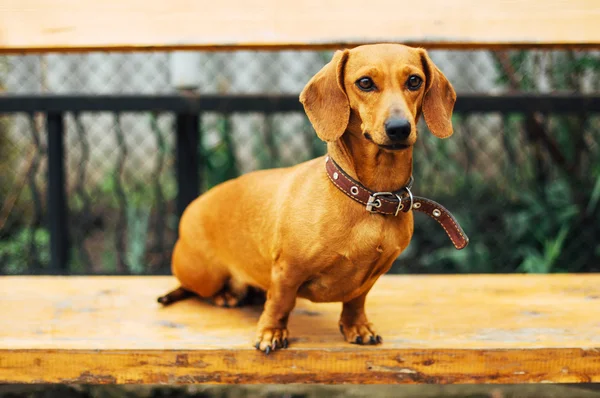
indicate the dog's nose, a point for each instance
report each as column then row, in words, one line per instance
column 397, row 128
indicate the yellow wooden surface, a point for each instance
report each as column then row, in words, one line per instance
column 63, row 25
column 436, row 329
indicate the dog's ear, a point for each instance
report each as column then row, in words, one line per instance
column 439, row 99
column 325, row 101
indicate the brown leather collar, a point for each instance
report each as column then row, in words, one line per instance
column 391, row 203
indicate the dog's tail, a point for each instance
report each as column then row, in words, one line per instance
column 176, row 295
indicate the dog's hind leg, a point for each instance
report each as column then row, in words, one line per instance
column 237, row 293
column 201, row 273
column 198, row 271
column 232, row 294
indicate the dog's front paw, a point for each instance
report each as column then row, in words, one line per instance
column 360, row 334
column 270, row 339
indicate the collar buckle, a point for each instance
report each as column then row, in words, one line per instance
column 375, row 202
column 408, row 194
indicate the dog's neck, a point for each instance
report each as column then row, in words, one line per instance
column 375, row 168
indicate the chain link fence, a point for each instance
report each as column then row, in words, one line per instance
column 526, row 186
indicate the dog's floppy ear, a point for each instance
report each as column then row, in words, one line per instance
column 439, row 99
column 325, row 101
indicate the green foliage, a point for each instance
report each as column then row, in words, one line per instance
column 541, row 214
column 109, row 255
column 17, row 250
column 542, row 263
column 595, row 196
column 139, row 199
column 219, row 161
column 137, row 235
column 539, row 211
column 7, row 156
column 139, row 193
column 528, row 212
column 536, row 231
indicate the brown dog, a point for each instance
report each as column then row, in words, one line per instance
column 291, row 232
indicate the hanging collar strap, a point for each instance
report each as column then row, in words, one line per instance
column 392, row 203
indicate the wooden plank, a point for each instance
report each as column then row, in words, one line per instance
column 76, row 25
column 436, row 329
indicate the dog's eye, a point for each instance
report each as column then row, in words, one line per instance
column 414, row 82
column 365, row 84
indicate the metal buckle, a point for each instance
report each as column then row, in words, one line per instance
column 410, row 195
column 374, row 202
column 400, row 204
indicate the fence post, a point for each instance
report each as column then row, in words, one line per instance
column 187, row 158
column 57, row 208
column 186, row 78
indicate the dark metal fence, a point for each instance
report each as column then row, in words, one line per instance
column 94, row 184
column 68, row 215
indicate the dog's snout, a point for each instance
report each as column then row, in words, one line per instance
column 397, row 128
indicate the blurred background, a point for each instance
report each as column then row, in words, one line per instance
column 525, row 186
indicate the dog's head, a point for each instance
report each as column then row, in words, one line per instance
column 379, row 91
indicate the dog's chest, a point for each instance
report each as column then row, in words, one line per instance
column 365, row 253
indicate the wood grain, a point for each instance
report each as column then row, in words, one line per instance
column 436, row 329
column 76, row 25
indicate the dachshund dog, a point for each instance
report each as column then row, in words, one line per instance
column 292, row 232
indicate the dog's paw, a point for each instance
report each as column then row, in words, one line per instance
column 270, row 339
column 360, row 334
column 227, row 299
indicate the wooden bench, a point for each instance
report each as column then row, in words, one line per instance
column 84, row 25
column 437, row 329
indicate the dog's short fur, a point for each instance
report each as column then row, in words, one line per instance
column 291, row 232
